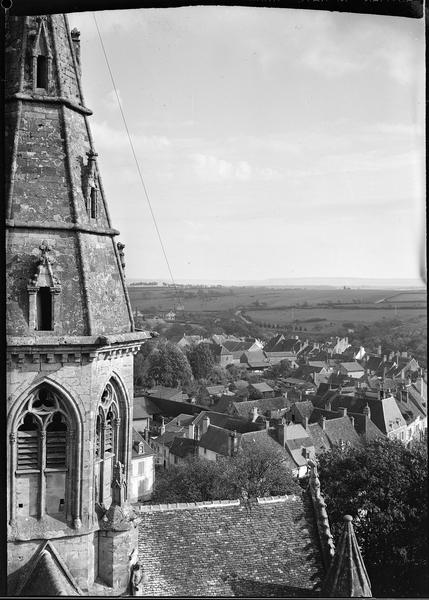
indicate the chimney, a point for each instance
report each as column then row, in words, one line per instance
column 343, row 411
column 281, row 433
column 379, row 350
column 328, row 405
column 232, row 443
column 305, row 423
column 206, row 424
column 191, row 431
column 254, row 413
column 146, row 435
column 352, row 419
column 162, row 429
column 267, row 424
column 366, row 411
column 323, row 423
column 384, row 358
column 404, row 395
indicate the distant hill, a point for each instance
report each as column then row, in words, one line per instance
column 320, row 282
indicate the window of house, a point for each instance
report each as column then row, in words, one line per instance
column 42, row 460
column 42, row 72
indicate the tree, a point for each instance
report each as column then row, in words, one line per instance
column 167, row 365
column 384, row 487
column 201, row 360
column 256, row 470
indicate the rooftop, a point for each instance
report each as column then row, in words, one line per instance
column 263, row 548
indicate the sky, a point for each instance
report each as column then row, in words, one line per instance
column 273, row 143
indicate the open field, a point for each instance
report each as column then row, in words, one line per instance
column 195, row 299
column 334, row 315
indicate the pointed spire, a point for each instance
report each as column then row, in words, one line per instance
column 347, row 576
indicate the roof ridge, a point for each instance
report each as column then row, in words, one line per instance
column 188, row 505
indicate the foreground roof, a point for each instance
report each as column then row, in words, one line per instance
column 263, row 548
column 47, row 575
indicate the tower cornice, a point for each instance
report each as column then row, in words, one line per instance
column 50, row 225
column 20, row 96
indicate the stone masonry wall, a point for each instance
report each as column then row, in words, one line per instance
column 23, row 252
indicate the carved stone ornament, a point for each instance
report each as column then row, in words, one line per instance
column 44, row 275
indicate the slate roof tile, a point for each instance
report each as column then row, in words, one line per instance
column 267, row 549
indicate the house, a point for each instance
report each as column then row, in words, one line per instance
column 144, row 411
column 295, row 439
column 255, row 360
column 335, row 431
column 170, row 316
column 261, row 390
column 352, row 369
column 223, row 356
column 226, row 421
column 181, row 450
column 142, row 475
column 279, row 348
column 410, row 404
column 381, row 408
column 212, row 393
column 252, row 409
column 300, row 412
column 238, row 348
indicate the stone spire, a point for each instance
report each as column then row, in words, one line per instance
column 347, row 576
column 54, row 192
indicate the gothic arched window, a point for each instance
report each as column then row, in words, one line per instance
column 107, row 444
column 43, row 456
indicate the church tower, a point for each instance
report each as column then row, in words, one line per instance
column 71, row 336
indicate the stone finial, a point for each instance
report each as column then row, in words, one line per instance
column 347, row 576
column 118, row 484
column 75, row 34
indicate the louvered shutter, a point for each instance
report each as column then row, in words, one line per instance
column 56, row 449
column 28, row 450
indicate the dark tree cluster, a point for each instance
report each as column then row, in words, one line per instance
column 384, row 487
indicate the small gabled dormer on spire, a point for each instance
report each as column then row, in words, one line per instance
column 42, row 289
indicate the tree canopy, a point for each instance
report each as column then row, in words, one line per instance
column 384, row 487
column 164, row 365
column 255, row 471
column 201, row 360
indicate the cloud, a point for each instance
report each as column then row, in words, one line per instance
column 114, row 139
column 209, row 168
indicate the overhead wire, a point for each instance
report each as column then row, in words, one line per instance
column 137, row 162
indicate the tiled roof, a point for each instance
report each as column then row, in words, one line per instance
column 304, row 408
column 143, row 408
column 237, row 346
column 231, row 422
column 166, row 393
column 215, row 389
column 365, row 427
column 263, row 405
column 47, row 575
column 137, row 440
column 216, row 439
column 180, row 421
column 168, row 437
column 337, row 429
column 351, row 367
column 320, row 439
column 265, row 548
column 183, row 447
column 224, row 403
column 262, row 387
